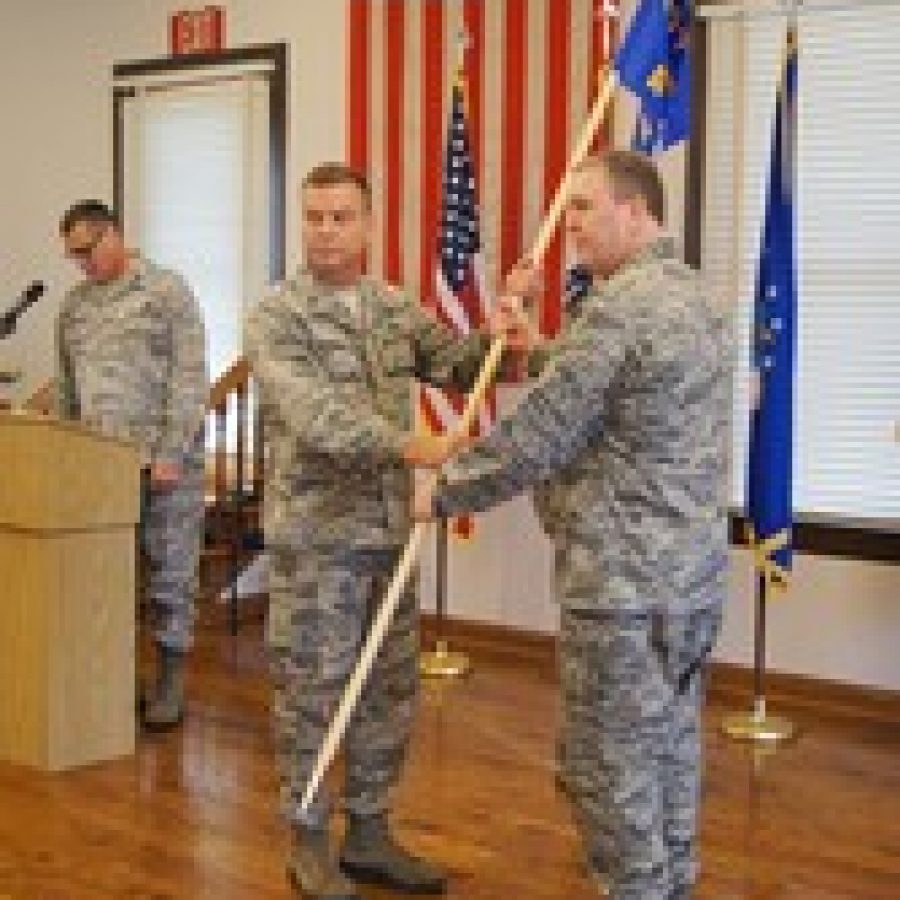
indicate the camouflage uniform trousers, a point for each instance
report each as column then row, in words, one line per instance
column 320, row 610
column 171, row 534
column 633, row 692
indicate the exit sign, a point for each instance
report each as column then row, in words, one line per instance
column 197, row 30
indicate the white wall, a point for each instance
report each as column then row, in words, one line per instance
column 56, row 59
column 841, row 619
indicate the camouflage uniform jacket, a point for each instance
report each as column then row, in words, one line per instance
column 335, row 386
column 131, row 361
column 633, row 408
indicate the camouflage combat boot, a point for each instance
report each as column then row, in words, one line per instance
column 313, row 870
column 371, row 855
column 162, row 707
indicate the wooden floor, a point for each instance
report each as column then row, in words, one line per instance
column 192, row 815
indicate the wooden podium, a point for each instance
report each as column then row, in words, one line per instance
column 69, row 502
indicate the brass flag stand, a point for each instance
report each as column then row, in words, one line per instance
column 758, row 726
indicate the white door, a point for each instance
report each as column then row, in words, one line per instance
column 196, row 192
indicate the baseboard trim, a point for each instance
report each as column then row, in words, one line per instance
column 803, row 696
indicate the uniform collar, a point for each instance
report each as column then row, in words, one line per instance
column 133, row 278
column 661, row 248
column 136, row 273
column 306, row 284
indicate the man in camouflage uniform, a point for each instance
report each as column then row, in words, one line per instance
column 334, row 353
column 632, row 411
column 131, row 362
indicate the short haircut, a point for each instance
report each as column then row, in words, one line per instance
column 332, row 173
column 94, row 212
column 633, row 174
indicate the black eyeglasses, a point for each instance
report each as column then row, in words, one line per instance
column 84, row 253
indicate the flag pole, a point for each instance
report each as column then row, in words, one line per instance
column 758, row 726
column 382, row 619
column 441, row 661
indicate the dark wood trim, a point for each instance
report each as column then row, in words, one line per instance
column 120, row 94
column 806, row 698
column 498, row 643
column 802, row 696
column 696, row 150
column 278, row 106
column 846, row 540
column 234, row 378
column 276, row 54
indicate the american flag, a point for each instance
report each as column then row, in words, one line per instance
column 459, row 275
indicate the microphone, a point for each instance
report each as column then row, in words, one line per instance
column 30, row 295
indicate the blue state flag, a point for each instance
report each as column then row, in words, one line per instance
column 653, row 62
column 770, row 457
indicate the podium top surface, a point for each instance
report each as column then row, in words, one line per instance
column 58, row 476
column 26, row 418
